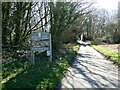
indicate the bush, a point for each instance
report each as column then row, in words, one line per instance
column 87, row 38
column 116, row 38
column 97, row 42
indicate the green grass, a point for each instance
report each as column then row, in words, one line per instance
column 11, row 69
column 114, row 56
column 44, row 75
column 76, row 48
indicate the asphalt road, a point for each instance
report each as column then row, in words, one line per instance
column 91, row 70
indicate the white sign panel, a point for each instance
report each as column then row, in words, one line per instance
column 40, row 41
column 40, row 36
column 38, row 49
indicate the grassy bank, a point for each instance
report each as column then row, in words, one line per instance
column 11, row 69
column 114, row 56
column 44, row 75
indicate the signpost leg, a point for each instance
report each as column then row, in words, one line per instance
column 50, row 49
column 32, row 54
column 50, row 58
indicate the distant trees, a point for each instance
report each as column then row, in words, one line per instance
column 99, row 24
column 63, row 16
column 117, row 33
column 67, row 21
column 99, row 21
column 112, row 29
column 21, row 18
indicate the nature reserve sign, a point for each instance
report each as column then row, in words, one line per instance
column 41, row 41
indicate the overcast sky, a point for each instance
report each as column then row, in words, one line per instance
column 108, row 4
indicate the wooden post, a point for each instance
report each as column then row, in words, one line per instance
column 50, row 49
column 33, row 57
column 32, row 52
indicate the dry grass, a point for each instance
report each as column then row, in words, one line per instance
column 111, row 52
column 113, row 47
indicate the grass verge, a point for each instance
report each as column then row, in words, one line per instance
column 45, row 75
column 114, row 56
column 11, row 69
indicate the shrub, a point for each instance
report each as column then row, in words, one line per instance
column 116, row 38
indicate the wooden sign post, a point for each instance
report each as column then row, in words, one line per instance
column 41, row 41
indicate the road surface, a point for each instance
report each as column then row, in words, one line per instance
column 90, row 70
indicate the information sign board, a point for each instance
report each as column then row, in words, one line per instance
column 41, row 41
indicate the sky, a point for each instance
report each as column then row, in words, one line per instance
column 108, row 4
